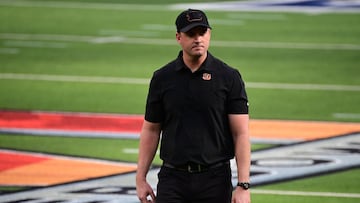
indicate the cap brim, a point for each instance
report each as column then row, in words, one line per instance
column 191, row 26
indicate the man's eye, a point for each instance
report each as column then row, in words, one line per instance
column 202, row 32
column 190, row 34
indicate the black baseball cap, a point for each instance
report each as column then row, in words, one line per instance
column 191, row 18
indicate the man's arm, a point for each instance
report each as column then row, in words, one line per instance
column 239, row 124
column 149, row 141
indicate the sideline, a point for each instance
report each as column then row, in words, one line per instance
column 143, row 81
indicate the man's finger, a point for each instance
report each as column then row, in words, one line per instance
column 151, row 197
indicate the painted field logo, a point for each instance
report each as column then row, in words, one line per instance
column 268, row 166
column 305, row 159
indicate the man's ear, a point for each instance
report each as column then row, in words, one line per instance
column 178, row 36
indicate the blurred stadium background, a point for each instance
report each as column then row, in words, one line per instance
column 74, row 76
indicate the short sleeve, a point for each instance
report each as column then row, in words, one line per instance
column 237, row 99
column 154, row 108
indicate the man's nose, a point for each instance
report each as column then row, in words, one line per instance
column 197, row 37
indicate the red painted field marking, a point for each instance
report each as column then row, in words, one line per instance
column 31, row 169
column 70, row 121
column 10, row 160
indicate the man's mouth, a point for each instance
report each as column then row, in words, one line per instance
column 197, row 46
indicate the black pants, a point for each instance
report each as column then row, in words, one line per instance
column 212, row 186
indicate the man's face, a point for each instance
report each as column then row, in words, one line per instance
column 195, row 42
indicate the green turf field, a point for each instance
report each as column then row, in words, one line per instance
column 297, row 66
column 34, row 36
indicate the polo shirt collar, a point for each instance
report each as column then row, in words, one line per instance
column 206, row 66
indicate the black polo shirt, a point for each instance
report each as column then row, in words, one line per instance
column 193, row 110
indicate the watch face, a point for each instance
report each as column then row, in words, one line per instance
column 245, row 186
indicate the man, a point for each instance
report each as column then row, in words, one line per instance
column 199, row 106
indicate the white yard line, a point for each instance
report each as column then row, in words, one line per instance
column 68, row 78
column 47, row 37
column 144, row 81
column 171, row 42
column 130, row 150
column 9, row 51
column 285, row 45
column 256, row 16
column 303, row 193
column 228, row 22
column 347, row 115
column 135, row 151
column 84, row 5
column 158, row 27
column 266, row 85
column 35, row 44
column 134, row 33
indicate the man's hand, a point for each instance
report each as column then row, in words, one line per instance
column 145, row 192
column 240, row 196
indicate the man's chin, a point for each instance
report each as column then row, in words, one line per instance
column 198, row 53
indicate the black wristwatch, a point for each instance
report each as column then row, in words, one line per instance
column 244, row 185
